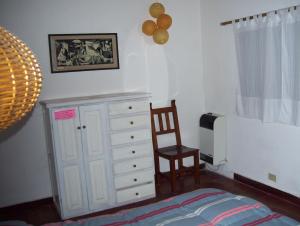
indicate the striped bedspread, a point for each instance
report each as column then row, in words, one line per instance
column 203, row 207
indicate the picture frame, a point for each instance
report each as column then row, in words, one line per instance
column 83, row 52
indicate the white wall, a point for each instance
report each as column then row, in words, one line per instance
column 254, row 148
column 170, row 71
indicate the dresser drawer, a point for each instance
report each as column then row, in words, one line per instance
column 128, row 107
column 133, row 165
column 136, row 193
column 130, row 122
column 134, row 179
column 132, row 151
column 130, row 137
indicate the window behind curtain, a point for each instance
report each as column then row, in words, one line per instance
column 268, row 55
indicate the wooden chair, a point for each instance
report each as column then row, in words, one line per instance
column 171, row 153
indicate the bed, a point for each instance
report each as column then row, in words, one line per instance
column 203, row 207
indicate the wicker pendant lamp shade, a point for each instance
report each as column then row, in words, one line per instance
column 20, row 79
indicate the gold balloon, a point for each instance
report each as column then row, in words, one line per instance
column 149, row 26
column 156, row 9
column 164, row 21
column 160, row 36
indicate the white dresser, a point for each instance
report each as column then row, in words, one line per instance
column 100, row 151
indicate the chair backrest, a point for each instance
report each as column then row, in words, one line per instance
column 163, row 114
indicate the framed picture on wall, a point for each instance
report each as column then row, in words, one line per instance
column 82, row 52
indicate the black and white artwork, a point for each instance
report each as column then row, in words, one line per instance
column 83, row 52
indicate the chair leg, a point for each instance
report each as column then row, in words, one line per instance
column 173, row 175
column 196, row 168
column 181, row 173
column 157, row 169
column 180, row 167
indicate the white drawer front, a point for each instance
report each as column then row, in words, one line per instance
column 128, row 107
column 130, row 122
column 133, row 165
column 136, row 193
column 134, row 179
column 132, row 151
column 130, row 137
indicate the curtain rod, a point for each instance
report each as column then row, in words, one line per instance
column 252, row 17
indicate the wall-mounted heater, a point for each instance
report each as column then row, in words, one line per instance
column 213, row 138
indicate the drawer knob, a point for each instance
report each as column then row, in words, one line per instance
column 135, row 180
column 83, row 127
column 134, row 166
column 133, row 152
column 132, row 137
column 78, row 127
column 130, row 107
column 137, row 194
column 131, row 123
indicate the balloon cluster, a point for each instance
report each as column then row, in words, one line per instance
column 158, row 29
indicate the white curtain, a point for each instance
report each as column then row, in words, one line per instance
column 268, row 55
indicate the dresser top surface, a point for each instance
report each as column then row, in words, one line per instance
column 57, row 102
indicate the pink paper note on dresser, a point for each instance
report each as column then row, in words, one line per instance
column 64, row 114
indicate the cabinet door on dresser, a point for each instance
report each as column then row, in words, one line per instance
column 69, row 164
column 95, row 156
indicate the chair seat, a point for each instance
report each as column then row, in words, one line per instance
column 176, row 152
